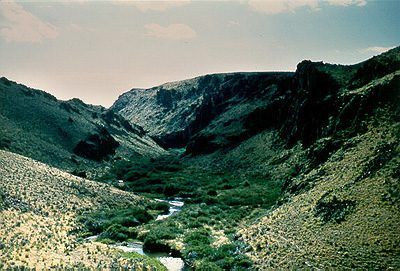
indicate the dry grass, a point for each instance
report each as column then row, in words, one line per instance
column 40, row 207
column 292, row 236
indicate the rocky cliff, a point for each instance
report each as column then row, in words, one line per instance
column 219, row 111
column 326, row 138
column 172, row 113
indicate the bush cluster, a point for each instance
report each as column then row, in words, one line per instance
column 115, row 224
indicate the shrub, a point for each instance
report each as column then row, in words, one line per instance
column 334, row 209
column 118, row 233
column 5, row 143
column 79, row 173
column 115, row 221
column 198, row 237
column 161, row 206
column 3, row 204
column 207, row 266
column 212, row 193
column 154, row 240
column 170, row 190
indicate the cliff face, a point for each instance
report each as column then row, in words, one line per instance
column 219, row 111
column 174, row 112
column 326, row 137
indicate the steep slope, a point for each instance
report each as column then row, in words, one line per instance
column 39, row 210
column 340, row 207
column 172, row 113
column 219, row 111
column 326, row 136
column 319, row 100
column 343, row 214
column 67, row 134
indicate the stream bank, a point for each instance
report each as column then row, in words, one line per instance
column 169, row 260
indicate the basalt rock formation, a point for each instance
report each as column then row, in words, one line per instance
column 97, row 146
column 219, row 111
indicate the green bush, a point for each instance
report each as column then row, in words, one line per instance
column 207, row 266
column 161, row 206
column 212, row 193
column 118, row 233
column 171, row 190
column 115, row 221
column 154, row 239
column 198, row 237
column 3, row 203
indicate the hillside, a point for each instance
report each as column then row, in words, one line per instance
column 219, row 111
column 274, row 170
column 172, row 113
column 40, row 208
column 70, row 135
column 341, row 211
column 343, row 214
column 292, row 170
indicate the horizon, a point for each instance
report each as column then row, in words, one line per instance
column 183, row 79
column 96, row 51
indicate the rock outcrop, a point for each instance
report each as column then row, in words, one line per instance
column 219, row 111
column 97, row 146
column 174, row 112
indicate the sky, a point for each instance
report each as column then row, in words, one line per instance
column 97, row 50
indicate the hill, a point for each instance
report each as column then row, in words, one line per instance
column 292, row 170
column 40, row 208
column 340, row 211
column 276, row 170
column 173, row 112
column 343, row 214
column 219, row 111
column 70, row 135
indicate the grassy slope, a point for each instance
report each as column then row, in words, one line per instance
column 294, row 236
column 344, row 212
column 36, row 124
column 363, row 171
column 232, row 190
column 39, row 207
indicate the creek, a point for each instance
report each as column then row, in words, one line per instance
column 172, row 263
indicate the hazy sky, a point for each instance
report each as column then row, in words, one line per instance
column 97, row 50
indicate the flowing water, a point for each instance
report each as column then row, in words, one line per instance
column 174, row 207
column 172, row 263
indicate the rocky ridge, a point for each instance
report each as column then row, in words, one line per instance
column 219, row 111
column 329, row 133
column 172, row 113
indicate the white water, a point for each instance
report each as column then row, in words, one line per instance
column 175, row 207
column 172, row 263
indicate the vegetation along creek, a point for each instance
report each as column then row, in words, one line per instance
column 171, row 261
column 291, row 170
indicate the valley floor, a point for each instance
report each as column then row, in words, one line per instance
column 259, row 206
